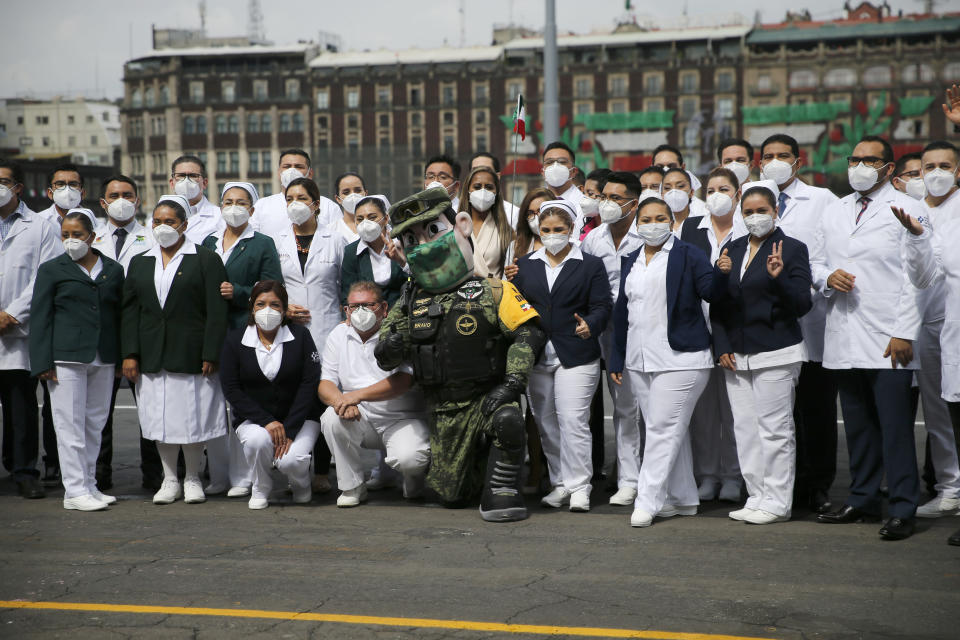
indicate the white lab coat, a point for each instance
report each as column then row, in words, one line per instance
column 270, row 214
column 139, row 239
column 204, row 220
column 930, row 260
column 801, row 220
column 30, row 241
column 317, row 287
column 883, row 303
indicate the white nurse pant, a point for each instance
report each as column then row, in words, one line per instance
column 227, row 461
column 667, row 399
column 81, row 401
column 295, row 464
column 936, row 415
column 560, row 400
column 762, row 404
column 628, row 430
column 406, row 443
column 711, row 434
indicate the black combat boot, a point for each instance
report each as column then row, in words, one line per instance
column 501, row 500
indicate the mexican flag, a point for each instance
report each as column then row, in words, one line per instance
column 520, row 119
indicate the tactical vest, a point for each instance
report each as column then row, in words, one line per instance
column 455, row 349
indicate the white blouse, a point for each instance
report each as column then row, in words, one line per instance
column 269, row 358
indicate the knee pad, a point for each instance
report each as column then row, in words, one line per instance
column 509, row 427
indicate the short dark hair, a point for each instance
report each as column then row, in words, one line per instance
column 678, row 170
column 627, row 179
column 312, row 189
column 347, row 174
column 268, row 286
column 294, row 152
column 901, row 164
column 117, row 177
column 735, row 142
column 942, row 144
column 600, row 175
column 782, row 138
column 66, row 166
column 672, row 149
column 486, row 154
column 559, row 144
column 447, row 160
column 177, row 208
column 15, row 169
column 726, row 174
column 189, row 158
column 82, row 218
column 374, row 200
column 646, row 202
column 651, row 169
column 887, row 149
column 765, row 192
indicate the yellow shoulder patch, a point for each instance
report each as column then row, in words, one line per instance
column 514, row 308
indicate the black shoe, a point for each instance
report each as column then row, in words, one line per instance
column 847, row 514
column 501, row 500
column 897, row 529
column 30, row 488
column 51, row 477
column 152, row 484
column 954, row 539
column 819, row 501
column 104, row 483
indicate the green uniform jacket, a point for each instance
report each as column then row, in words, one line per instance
column 357, row 267
column 73, row 318
column 252, row 260
column 190, row 327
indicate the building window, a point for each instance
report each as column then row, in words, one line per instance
column 136, row 165
column 265, row 123
column 448, row 95
column 688, row 106
column 89, row 119
column 724, row 107
column 352, row 121
column 149, row 98
column 764, row 83
column 292, row 86
column 724, row 81
column 228, row 91
column 384, row 120
column 618, row 86
column 201, row 124
column 481, row 94
column 188, row 125
column 253, row 123
column 353, row 144
column 266, row 161
column 72, row 141
column 951, row 71
column 582, row 108
column 220, row 124
column 322, row 122
column 803, row 79
column 323, row 99
column 449, row 147
column 297, row 122
column 653, row 85
column 253, row 162
column 689, row 83
column 481, row 142
column 196, row 92
column 353, row 98
column 233, row 124
column 221, row 161
column 583, row 87
column 261, row 90
column 266, row 189
column 234, row 162
column 448, row 118
column 284, row 122
column 384, row 142
column 514, row 89
column 840, row 78
column 416, row 120
column 618, row 106
column 136, row 98
column 164, row 98
column 918, row 73
column 480, row 116
column 416, row 145
column 416, row 96
column 879, row 75
column 158, row 126
column 383, row 96
column 70, row 119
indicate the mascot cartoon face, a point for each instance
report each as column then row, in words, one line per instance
column 435, row 239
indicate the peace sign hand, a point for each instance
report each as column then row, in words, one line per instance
column 583, row 329
column 951, row 108
column 724, row 263
column 775, row 260
column 392, row 250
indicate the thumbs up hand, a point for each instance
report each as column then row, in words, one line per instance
column 583, row 329
column 724, row 263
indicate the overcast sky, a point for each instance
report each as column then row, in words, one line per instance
column 52, row 46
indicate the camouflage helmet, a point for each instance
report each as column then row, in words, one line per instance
column 425, row 206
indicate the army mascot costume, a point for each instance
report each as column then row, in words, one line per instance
column 472, row 342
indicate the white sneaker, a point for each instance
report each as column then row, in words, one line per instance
column 102, row 497
column 258, row 503
column 84, row 503
column 708, row 490
column 412, row 486
column 740, row 514
column 624, row 497
column 169, row 492
column 730, row 491
column 939, row 507
column 303, row 496
column 237, row 492
column 669, row 510
column 556, row 498
column 214, row 489
column 580, row 501
column 193, row 491
column 640, row 518
column 759, row 516
column 352, row 497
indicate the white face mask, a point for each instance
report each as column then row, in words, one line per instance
column 363, row 319
column 677, row 200
column 649, row 193
column 654, row 233
column 915, row 188
column 759, row 224
column 740, row 169
column 862, row 177
column 939, row 181
column 166, row 235
column 434, row 185
column 778, row 171
column 235, row 215
column 719, row 204
column 482, row 200
column 611, row 212
column 75, row 248
column 6, row 195
column 350, row 201
column 121, row 210
column 556, row 175
column 368, row 230
column 589, row 206
column 534, row 225
column 288, row 175
column 299, row 212
column 66, row 197
column 187, row 188
column 267, row 319
column 555, row 242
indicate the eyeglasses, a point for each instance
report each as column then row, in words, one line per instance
column 553, row 161
column 870, row 161
column 619, row 200
column 439, row 177
column 370, row 306
column 8, row 182
column 60, row 184
column 907, row 175
column 196, row 177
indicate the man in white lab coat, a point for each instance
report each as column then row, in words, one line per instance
column 26, row 241
column 560, row 172
column 270, row 215
column 65, row 189
column 872, row 315
column 799, row 209
column 188, row 178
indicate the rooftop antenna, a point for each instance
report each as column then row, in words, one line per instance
column 928, row 5
column 463, row 23
column 202, row 8
column 255, row 22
